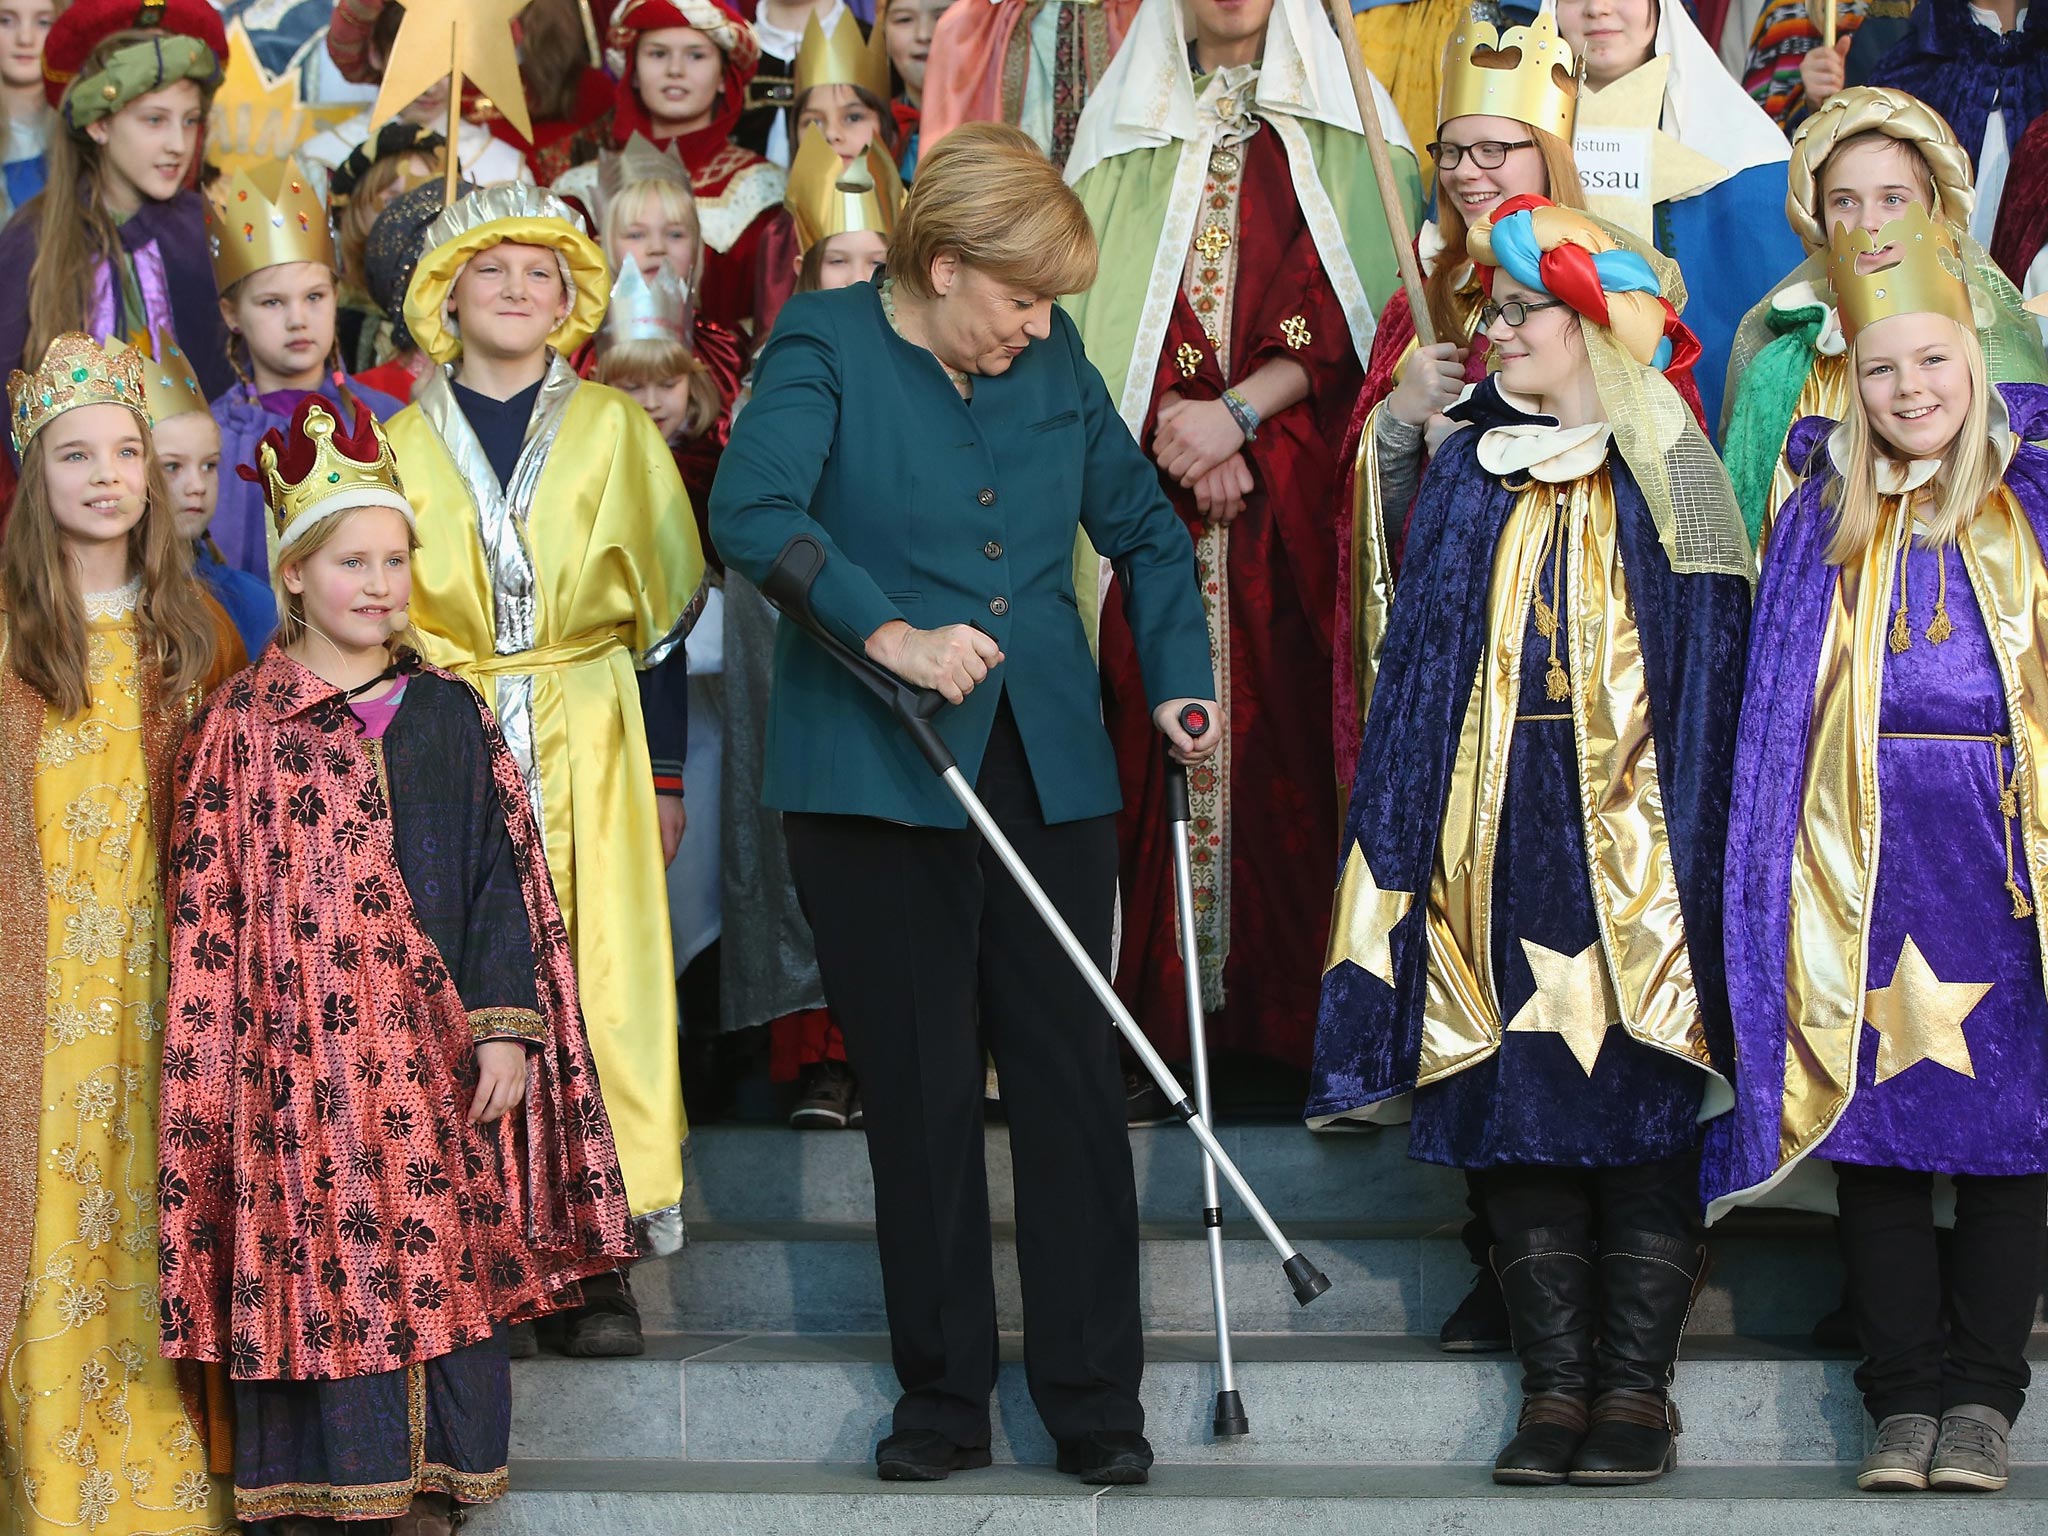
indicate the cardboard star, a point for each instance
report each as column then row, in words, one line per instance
column 469, row 39
column 258, row 119
column 1364, row 917
column 1573, row 1000
column 1632, row 106
column 1919, row 1017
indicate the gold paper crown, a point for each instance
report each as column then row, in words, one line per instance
column 1926, row 276
column 828, row 197
column 1527, row 74
column 348, row 470
column 264, row 217
column 168, row 385
column 75, row 371
column 843, row 57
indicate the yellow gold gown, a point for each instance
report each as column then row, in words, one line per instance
column 95, row 1436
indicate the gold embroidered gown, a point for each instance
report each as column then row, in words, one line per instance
column 93, row 1433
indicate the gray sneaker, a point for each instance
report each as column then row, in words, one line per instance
column 1971, row 1452
column 1898, row 1462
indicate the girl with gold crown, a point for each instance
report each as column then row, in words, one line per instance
column 1524, row 957
column 107, row 644
column 412, row 1152
column 1888, row 833
column 1859, row 161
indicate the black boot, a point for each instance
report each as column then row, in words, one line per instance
column 1647, row 1285
column 607, row 1325
column 1547, row 1277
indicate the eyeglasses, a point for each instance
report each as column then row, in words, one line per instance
column 1487, row 154
column 1515, row 311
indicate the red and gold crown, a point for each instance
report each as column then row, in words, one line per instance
column 169, row 387
column 315, row 469
column 264, row 217
column 75, row 371
column 1526, row 74
column 1924, row 276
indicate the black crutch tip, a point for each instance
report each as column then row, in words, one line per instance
column 1308, row 1281
column 1230, row 1419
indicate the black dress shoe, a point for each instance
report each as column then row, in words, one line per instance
column 1479, row 1325
column 924, row 1456
column 1113, row 1456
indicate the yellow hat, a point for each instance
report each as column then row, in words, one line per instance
column 264, row 217
column 168, row 385
column 843, row 57
column 1526, row 74
column 1927, row 278
column 512, row 213
column 828, row 197
column 75, row 371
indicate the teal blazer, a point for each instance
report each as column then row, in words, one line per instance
column 937, row 510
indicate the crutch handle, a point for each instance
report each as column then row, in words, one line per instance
column 1194, row 719
column 788, row 586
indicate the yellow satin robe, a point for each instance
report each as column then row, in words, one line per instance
column 616, row 566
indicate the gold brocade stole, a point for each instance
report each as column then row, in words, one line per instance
column 1825, row 393
column 1835, row 852
column 1628, row 850
column 1372, row 569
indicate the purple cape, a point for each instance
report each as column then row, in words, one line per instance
column 1786, row 634
column 1962, row 70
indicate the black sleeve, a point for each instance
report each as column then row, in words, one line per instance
column 665, row 706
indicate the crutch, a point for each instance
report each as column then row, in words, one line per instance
column 1230, row 1420
column 788, row 587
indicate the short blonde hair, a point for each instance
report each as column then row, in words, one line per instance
column 988, row 195
column 636, row 199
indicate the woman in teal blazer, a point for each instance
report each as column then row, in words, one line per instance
column 942, row 436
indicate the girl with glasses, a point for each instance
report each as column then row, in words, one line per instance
column 1525, row 952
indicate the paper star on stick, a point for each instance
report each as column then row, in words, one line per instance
column 461, row 40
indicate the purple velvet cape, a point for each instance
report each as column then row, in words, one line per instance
column 1770, row 768
column 1962, row 69
column 1694, row 632
column 238, row 516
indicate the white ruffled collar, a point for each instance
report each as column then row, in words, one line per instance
column 117, row 604
column 1541, row 449
column 1804, row 295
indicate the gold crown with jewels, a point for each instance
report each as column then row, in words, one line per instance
column 169, row 387
column 319, row 467
column 827, row 197
column 1526, row 73
column 75, row 371
column 1925, row 276
column 264, row 217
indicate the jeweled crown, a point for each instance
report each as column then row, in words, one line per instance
column 1526, row 73
column 827, row 197
column 264, row 217
column 317, row 468
column 843, row 57
column 75, row 371
column 1926, row 274
column 169, row 387
column 644, row 308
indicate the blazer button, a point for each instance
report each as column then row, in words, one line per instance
column 993, row 550
column 987, row 497
column 999, row 606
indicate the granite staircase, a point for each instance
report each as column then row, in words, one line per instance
column 767, row 1378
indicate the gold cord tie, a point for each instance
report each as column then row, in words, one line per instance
column 1557, row 682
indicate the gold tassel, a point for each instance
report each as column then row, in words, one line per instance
column 1546, row 618
column 1902, row 634
column 1557, row 683
column 1941, row 628
column 2021, row 907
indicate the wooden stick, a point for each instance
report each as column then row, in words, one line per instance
column 1383, row 172
column 454, row 170
column 1827, row 24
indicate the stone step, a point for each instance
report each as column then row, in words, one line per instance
column 1774, row 1273
column 748, row 1173
column 673, row 1498
column 1310, row 1399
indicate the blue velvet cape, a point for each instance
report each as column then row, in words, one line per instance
column 1790, row 625
column 1726, row 273
column 1962, row 70
column 1694, row 633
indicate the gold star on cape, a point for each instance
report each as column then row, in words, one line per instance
column 1573, row 1000
column 1620, row 114
column 1365, row 915
column 470, row 39
column 1920, row 1017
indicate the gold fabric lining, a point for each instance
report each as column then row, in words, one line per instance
column 377, row 1501
column 1635, row 889
column 1372, row 572
column 1825, row 393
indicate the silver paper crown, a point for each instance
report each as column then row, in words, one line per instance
column 645, row 308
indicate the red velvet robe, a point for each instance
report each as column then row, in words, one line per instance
column 1282, row 595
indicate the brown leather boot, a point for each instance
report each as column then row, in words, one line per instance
column 432, row 1514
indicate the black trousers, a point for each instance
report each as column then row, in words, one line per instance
column 1895, row 1288
column 928, row 951
column 1596, row 1203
